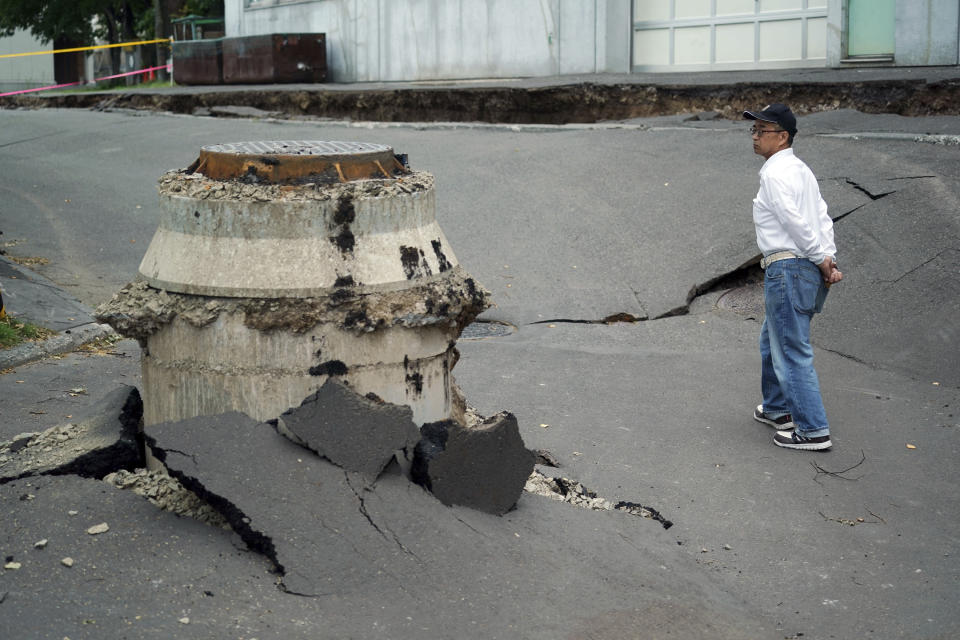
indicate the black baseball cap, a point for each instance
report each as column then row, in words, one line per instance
column 778, row 114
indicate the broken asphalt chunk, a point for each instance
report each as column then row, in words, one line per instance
column 483, row 467
column 302, row 512
column 354, row 432
column 106, row 441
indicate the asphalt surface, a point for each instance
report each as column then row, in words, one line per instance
column 567, row 226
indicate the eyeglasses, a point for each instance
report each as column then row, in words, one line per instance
column 759, row 132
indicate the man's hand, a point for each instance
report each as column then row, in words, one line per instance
column 828, row 268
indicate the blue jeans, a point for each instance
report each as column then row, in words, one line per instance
column 793, row 291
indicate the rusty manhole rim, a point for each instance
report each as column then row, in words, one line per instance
column 278, row 161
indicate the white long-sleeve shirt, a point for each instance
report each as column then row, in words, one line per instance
column 789, row 213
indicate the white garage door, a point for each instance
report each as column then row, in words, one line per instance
column 698, row 35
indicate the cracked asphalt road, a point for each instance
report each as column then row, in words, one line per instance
column 581, row 223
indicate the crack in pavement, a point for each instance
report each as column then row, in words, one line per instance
column 471, row 527
column 613, row 318
column 16, row 142
column 869, row 194
column 927, row 138
column 750, row 270
column 238, row 520
column 848, row 357
column 846, row 213
column 919, row 266
column 366, row 514
column 573, row 492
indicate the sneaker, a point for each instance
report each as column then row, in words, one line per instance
column 784, row 422
column 793, row 440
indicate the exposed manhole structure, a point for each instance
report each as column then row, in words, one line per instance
column 279, row 264
column 487, row 329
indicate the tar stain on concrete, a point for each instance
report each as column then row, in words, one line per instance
column 444, row 264
column 414, row 263
column 329, row 368
column 413, row 377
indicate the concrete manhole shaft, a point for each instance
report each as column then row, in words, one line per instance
column 254, row 293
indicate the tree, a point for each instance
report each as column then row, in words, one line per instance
column 49, row 20
column 75, row 23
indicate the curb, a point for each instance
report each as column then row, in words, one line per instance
column 61, row 343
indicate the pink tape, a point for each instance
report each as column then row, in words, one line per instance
column 70, row 84
column 56, row 86
column 133, row 73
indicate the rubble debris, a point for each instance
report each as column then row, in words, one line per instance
column 138, row 310
column 67, row 562
column 355, row 432
column 573, row 492
column 97, row 529
column 105, row 442
column 565, row 490
column 20, row 441
column 167, row 493
column 201, row 187
column 483, row 466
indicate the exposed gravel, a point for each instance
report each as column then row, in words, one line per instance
column 50, row 447
column 168, row 494
column 572, row 492
column 200, row 187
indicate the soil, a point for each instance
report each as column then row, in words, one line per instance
column 584, row 102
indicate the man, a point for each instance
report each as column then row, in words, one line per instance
column 795, row 235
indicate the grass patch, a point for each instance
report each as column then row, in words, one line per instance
column 14, row 331
column 119, row 86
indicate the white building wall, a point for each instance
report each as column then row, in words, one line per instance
column 393, row 40
column 927, row 33
column 396, row 40
column 27, row 72
column 718, row 35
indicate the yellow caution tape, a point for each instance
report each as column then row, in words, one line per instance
column 98, row 46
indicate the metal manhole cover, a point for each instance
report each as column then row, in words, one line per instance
column 298, row 148
column 273, row 161
column 479, row 330
column 745, row 300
